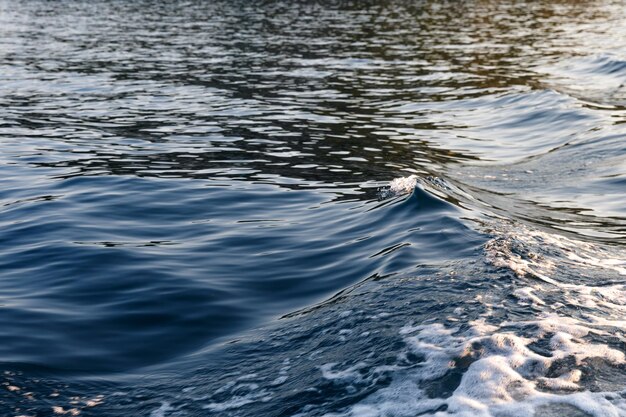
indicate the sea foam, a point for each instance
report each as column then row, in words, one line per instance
column 398, row 186
column 546, row 366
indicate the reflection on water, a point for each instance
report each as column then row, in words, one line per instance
column 174, row 173
column 305, row 95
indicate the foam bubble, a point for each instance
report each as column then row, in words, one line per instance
column 403, row 184
column 526, row 294
column 350, row 374
column 518, row 368
column 399, row 186
column 505, row 377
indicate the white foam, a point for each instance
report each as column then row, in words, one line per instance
column 526, row 294
column 347, row 375
column 520, row 251
column 617, row 265
column 539, row 366
column 500, row 252
column 403, row 185
column 399, row 186
column 506, row 378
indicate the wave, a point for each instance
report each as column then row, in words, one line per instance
column 531, row 325
column 522, row 323
column 597, row 79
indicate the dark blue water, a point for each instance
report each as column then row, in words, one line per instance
column 367, row 208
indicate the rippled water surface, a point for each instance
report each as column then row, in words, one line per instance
column 366, row 208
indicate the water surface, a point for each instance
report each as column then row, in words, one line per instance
column 197, row 215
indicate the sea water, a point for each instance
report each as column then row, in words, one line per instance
column 312, row 208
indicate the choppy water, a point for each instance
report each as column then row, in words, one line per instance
column 366, row 208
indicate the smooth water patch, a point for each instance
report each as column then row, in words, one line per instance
column 195, row 270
